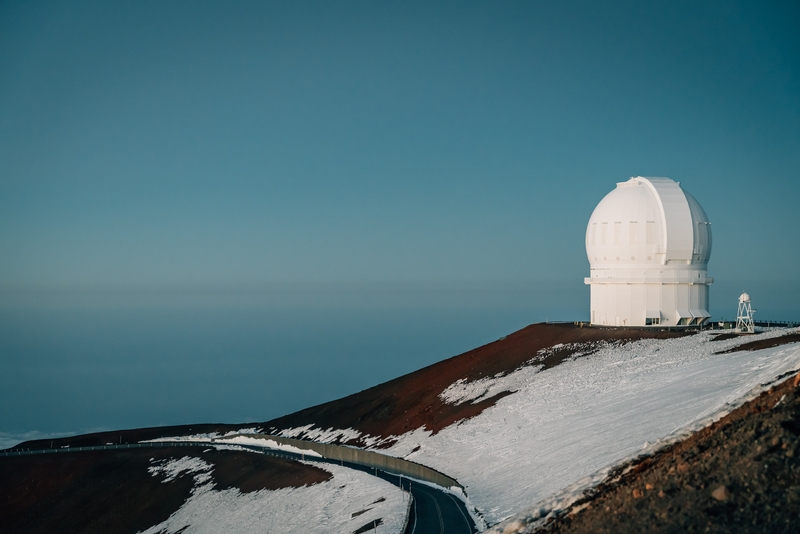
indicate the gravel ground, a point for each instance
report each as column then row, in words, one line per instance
column 741, row 474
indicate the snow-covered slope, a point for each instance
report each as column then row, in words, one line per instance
column 569, row 422
column 346, row 502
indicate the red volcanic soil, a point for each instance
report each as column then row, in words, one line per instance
column 412, row 401
column 112, row 491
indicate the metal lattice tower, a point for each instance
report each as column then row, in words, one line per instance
column 744, row 317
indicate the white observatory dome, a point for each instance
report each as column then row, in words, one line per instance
column 648, row 244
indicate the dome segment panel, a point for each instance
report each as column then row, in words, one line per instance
column 626, row 228
column 702, row 232
column 648, row 221
column 678, row 227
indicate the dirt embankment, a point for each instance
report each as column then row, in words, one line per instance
column 112, row 491
column 761, row 343
column 741, row 474
column 412, row 401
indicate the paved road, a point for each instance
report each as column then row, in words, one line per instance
column 437, row 512
column 433, row 512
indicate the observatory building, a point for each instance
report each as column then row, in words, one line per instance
column 648, row 243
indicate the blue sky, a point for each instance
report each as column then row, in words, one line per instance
column 229, row 211
column 200, row 144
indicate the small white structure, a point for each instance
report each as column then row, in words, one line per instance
column 648, row 243
column 744, row 317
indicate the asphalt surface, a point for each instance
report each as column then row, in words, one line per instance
column 433, row 511
column 437, row 512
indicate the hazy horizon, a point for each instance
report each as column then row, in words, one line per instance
column 397, row 182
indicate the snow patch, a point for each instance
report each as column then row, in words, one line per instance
column 329, row 435
column 331, row 506
column 172, row 469
column 463, row 390
column 368, row 441
column 206, row 436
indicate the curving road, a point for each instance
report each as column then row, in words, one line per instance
column 437, row 512
column 433, row 511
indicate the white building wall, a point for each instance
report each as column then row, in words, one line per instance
column 648, row 243
column 628, row 304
